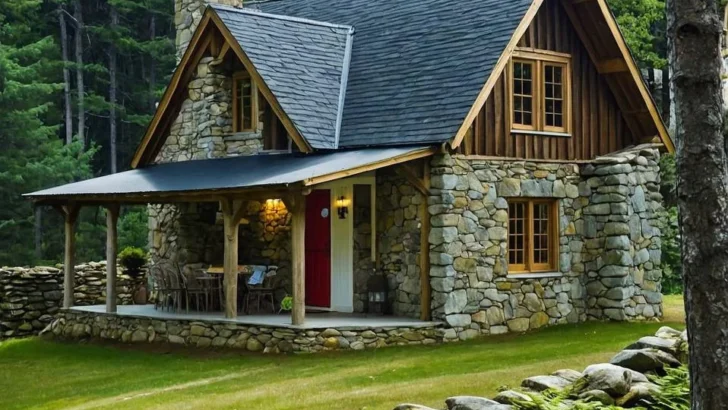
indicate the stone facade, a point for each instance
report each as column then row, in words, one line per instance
column 80, row 325
column 609, row 253
column 399, row 228
column 30, row 297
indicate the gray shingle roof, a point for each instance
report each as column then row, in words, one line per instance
column 301, row 61
column 416, row 66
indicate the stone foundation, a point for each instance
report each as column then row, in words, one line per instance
column 30, row 297
column 83, row 325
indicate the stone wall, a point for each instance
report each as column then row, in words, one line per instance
column 362, row 255
column 187, row 15
column 398, row 245
column 609, row 251
column 79, row 325
column 621, row 233
column 30, row 297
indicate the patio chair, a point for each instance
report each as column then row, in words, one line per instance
column 194, row 288
column 167, row 286
column 258, row 286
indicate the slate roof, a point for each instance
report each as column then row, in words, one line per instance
column 416, row 65
column 303, row 63
column 225, row 173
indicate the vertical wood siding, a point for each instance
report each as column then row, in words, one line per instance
column 598, row 126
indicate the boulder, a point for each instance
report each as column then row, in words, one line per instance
column 644, row 360
column 653, row 342
column 511, row 397
column 597, row 396
column 568, row 374
column 614, row 380
column 637, row 392
column 474, row 403
column 408, row 406
column 541, row 383
column 666, row 332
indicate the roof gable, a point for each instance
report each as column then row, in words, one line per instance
column 302, row 62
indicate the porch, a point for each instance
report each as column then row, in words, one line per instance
column 229, row 184
column 314, row 319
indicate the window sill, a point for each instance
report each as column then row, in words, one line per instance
column 539, row 275
column 542, row 133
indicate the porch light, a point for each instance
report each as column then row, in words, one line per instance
column 342, row 207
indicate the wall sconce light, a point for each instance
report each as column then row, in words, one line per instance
column 342, row 207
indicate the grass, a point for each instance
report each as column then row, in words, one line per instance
column 50, row 375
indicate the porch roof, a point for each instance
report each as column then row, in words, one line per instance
column 159, row 183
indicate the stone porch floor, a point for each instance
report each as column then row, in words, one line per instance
column 314, row 320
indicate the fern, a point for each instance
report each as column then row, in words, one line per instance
column 674, row 391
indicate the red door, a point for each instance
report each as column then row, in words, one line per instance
column 318, row 248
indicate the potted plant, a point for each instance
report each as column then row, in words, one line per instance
column 286, row 304
column 133, row 260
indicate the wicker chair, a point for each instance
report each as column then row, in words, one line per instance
column 167, row 285
column 260, row 291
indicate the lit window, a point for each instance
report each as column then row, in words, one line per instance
column 532, row 235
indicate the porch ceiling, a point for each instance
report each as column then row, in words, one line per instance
column 203, row 179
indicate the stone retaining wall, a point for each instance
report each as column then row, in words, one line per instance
column 31, row 297
column 80, row 325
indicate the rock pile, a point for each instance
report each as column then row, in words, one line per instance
column 621, row 382
column 30, row 297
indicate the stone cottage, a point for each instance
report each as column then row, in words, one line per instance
column 496, row 163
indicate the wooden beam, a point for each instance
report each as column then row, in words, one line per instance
column 112, row 216
column 407, row 171
column 296, row 204
column 370, row 167
column 232, row 213
column 495, row 74
column 70, row 214
column 425, row 287
column 614, row 65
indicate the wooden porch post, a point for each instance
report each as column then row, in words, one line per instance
column 112, row 216
column 297, row 206
column 425, row 287
column 70, row 214
column 232, row 214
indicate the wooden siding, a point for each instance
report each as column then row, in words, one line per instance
column 598, row 126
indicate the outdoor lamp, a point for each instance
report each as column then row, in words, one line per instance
column 342, row 207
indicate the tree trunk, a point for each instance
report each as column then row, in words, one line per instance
column 66, row 76
column 38, row 233
column 695, row 29
column 665, row 91
column 78, row 15
column 152, row 65
column 112, row 92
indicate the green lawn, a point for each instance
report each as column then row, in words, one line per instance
column 51, row 375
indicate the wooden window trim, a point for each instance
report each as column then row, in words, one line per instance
column 244, row 75
column 530, row 266
column 539, row 59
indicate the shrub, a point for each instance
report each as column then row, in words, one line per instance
column 287, row 304
column 132, row 259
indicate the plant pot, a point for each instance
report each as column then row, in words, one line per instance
column 141, row 295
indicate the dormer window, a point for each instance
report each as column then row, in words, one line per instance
column 540, row 93
column 245, row 103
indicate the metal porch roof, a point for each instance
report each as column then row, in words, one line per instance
column 223, row 174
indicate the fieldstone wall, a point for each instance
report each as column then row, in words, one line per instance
column 78, row 325
column 399, row 241
column 362, row 256
column 621, row 232
column 31, row 297
column 609, row 251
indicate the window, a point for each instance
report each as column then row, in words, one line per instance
column 245, row 107
column 275, row 136
column 540, row 91
column 532, row 235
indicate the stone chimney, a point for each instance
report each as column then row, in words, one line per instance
column 187, row 15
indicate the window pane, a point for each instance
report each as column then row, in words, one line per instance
column 553, row 97
column 541, row 240
column 522, row 93
column 245, row 104
column 516, row 233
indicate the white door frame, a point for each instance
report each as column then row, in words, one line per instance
column 342, row 239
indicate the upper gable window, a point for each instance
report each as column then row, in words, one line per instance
column 540, row 91
column 245, row 105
